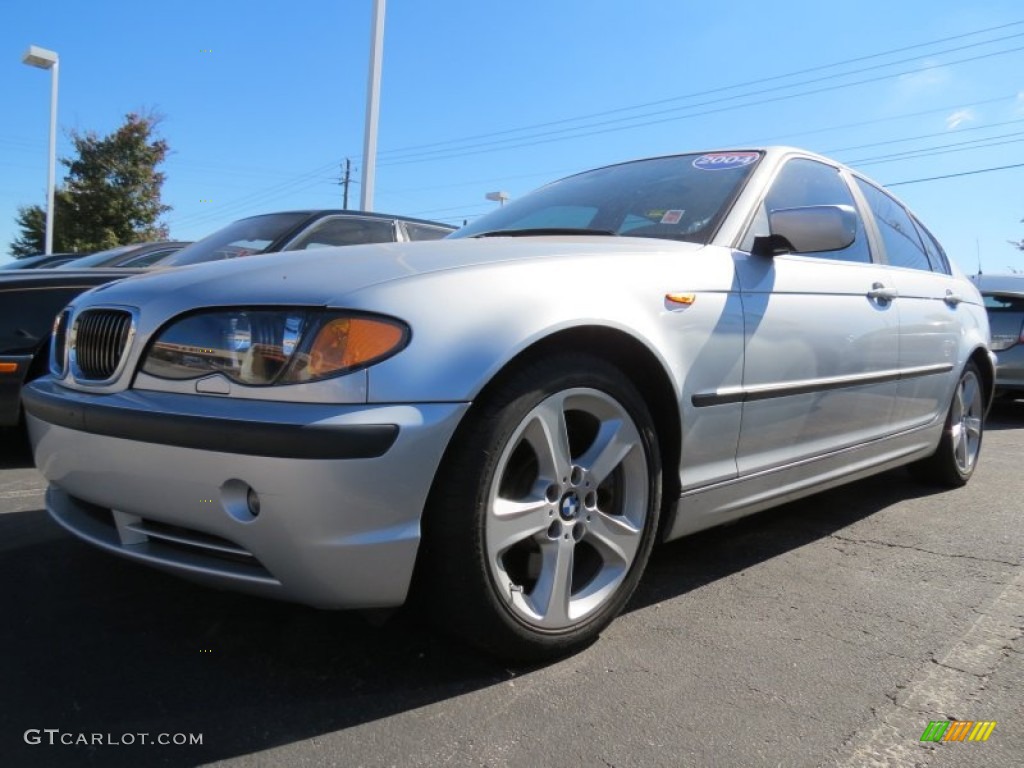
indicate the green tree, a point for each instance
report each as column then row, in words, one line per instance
column 110, row 195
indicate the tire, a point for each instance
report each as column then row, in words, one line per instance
column 544, row 512
column 955, row 459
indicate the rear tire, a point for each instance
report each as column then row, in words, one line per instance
column 544, row 512
column 955, row 459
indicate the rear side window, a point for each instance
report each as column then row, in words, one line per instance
column 936, row 256
column 339, row 230
column 995, row 302
column 903, row 245
column 802, row 183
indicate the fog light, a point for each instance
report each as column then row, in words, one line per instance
column 253, row 500
column 240, row 500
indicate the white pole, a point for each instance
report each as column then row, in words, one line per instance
column 51, row 181
column 372, row 105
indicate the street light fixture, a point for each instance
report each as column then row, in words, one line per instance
column 498, row 197
column 44, row 59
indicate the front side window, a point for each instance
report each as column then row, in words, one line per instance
column 903, row 246
column 804, row 183
column 683, row 197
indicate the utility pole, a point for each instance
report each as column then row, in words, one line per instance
column 345, row 181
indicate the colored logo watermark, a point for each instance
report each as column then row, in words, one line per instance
column 958, row 730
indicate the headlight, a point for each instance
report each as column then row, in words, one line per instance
column 277, row 346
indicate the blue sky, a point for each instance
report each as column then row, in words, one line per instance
column 484, row 96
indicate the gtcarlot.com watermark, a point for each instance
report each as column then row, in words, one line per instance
column 55, row 736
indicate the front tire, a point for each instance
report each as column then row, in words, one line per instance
column 956, row 458
column 545, row 510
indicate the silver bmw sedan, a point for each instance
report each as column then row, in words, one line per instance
column 504, row 422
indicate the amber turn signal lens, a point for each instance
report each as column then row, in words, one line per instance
column 686, row 299
column 350, row 342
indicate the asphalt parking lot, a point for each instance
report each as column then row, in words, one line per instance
column 827, row 632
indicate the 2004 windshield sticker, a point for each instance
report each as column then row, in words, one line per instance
column 725, row 161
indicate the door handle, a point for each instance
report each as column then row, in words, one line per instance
column 879, row 292
column 952, row 299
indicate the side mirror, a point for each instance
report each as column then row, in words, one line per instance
column 811, row 229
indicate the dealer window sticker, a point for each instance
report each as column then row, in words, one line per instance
column 725, row 161
column 673, row 216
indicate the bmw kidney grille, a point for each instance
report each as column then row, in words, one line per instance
column 99, row 343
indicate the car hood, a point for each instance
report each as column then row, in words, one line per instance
column 325, row 275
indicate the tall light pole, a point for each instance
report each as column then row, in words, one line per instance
column 372, row 105
column 44, row 59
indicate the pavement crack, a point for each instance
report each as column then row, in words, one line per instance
column 955, row 668
column 922, row 550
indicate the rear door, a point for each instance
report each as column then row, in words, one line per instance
column 929, row 306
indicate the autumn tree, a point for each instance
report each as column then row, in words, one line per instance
column 110, row 195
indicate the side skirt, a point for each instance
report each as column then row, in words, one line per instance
column 713, row 505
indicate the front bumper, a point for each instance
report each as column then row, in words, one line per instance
column 164, row 479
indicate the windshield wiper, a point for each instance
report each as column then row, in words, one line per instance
column 538, row 231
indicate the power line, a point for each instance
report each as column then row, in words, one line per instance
column 697, row 94
column 955, row 175
column 924, row 135
column 260, row 196
column 942, row 149
column 539, row 139
column 644, row 116
column 550, row 174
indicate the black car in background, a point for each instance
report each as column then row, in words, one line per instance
column 135, row 255
column 301, row 230
column 31, row 298
column 42, row 261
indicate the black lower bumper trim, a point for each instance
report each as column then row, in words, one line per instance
column 249, row 438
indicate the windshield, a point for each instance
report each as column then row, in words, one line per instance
column 682, row 197
column 243, row 238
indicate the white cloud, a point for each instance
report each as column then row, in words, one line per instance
column 960, row 117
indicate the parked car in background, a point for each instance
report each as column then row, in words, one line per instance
column 31, row 299
column 1004, row 300
column 135, row 255
column 303, row 230
column 503, row 422
column 42, row 261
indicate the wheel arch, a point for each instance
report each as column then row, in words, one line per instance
column 639, row 364
column 982, row 358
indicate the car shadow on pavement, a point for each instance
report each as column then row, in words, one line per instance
column 93, row 644
column 1005, row 414
column 14, row 449
column 694, row 561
